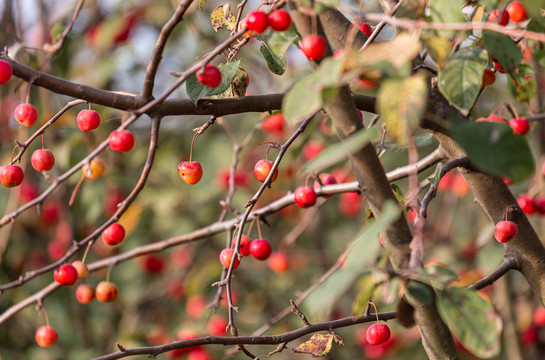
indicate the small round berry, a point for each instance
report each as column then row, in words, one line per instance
column 365, row 28
column 226, row 257
column 11, row 175
column 313, row 46
column 95, row 170
column 46, row 336
column 81, row 269
column 262, row 169
column 88, row 120
column 377, row 334
column 85, row 293
column 326, row 179
column 257, row 21
column 113, row 234
column 121, row 140
column 42, row 160
column 279, row 262
column 260, row 249
column 275, row 125
column 244, row 247
column 517, row 11
column 280, row 20
column 26, row 114
column 488, row 78
column 66, row 275
column 520, row 126
column 5, row 72
column 304, row 196
column 496, row 18
column 190, row 172
column 211, row 77
column 505, row 231
column 106, row 291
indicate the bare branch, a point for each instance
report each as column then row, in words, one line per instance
column 507, row 265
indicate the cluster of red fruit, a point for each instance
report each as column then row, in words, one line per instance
column 68, row 275
column 260, row 249
column 520, row 126
column 531, row 205
column 43, row 159
column 515, row 11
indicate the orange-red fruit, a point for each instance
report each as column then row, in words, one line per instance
column 275, row 125
column 217, row 325
column 66, row 275
column 520, row 126
column 106, row 291
column 304, row 196
column 517, row 11
column 262, row 169
column 495, row 17
column 11, row 175
column 121, row 140
column 279, row 262
column 326, row 179
column 85, row 293
column 5, row 72
column 244, row 247
column 365, row 28
column 190, row 172
column 211, row 77
column 226, row 256
column 488, row 77
column 505, row 231
column 260, row 249
column 88, row 120
column 42, row 160
column 95, row 170
column 46, row 336
column 280, row 20
column 81, row 269
column 377, row 334
column 26, row 114
column 257, row 21
column 113, row 234
column 313, row 46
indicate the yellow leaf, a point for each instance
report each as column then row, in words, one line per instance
column 222, row 17
column 318, row 345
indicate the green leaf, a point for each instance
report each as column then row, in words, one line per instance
column 327, row 295
column 420, row 140
column 473, row 321
column 446, row 11
column 306, row 96
column 420, row 291
column 201, row 4
column 503, row 49
column 436, row 175
column 402, row 103
column 238, row 86
column 439, row 48
column 460, row 82
column 494, row 148
column 339, row 152
column 56, row 32
column 195, row 90
column 277, row 64
column 526, row 89
column 368, row 286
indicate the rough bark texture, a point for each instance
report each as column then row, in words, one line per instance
column 368, row 170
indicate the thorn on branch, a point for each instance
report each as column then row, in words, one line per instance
column 296, row 311
column 246, row 352
column 120, row 347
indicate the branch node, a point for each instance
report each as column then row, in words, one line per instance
column 296, row 311
column 120, row 347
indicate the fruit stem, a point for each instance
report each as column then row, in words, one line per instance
column 86, row 252
column 45, row 314
column 376, row 311
column 13, row 153
column 89, row 105
column 259, row 229
column 192, row 142
column 42, row 141
column 28, row 93
column 110, row 270
column 73, row 197
column 306, row 181
column 250, row 228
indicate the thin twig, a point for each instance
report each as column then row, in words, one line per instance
column 508, row 264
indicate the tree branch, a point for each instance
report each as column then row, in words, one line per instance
column 250, row 340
